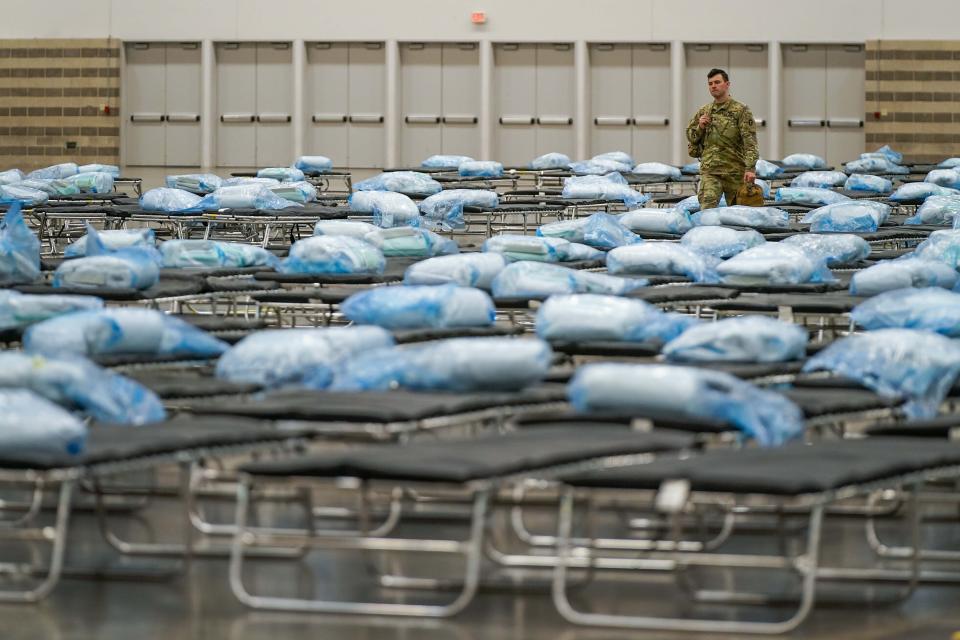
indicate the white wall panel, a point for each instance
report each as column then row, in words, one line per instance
column 144, row 93
column 327, row 95
column 461, row 99
column 236, row 104
column 556, row 100
column 182, row 98
column 845, row 103
column 651, row 102
column 804, row 99
column 515, row 100
column 750, row 82
column 421, row 101
column 274, row 96
column 367, row 102
column 611, row 98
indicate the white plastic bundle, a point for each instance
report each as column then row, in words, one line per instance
column 673, row 220
column 822, row 179
column 662, row 258
column 742, row 339
column 388, row 208
column 774, row 263
column 337, row 255
column 420, row 307
column 837, row 249
column 740, row 216
column 112, row 240
column 721, row 242
column 351, row 228
column 899, row 274
column 589, row 317
column 465, row 269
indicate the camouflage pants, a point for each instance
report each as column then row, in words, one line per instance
column 712, row 186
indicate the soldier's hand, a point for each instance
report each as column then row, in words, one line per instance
column 749, row 177
column 704, row 121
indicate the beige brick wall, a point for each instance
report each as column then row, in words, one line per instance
column 912, row 97
column 52, row 94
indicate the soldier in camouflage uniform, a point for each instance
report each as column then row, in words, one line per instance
column 723, row 135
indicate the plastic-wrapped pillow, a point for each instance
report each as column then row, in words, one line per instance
column 821, row 179
column 920, row 191
column 112, row 169
column 460, row 364
column 283, row 174
column 673, row 220
column 408, row 182
column 942, row 246
column 662, row 258
column 551, row 160
column 352, row 228
column 233, row 182
column 480, row 169
column 949, row 178
column 131, row 267
column 23, row 195
column 464, row 269
column 894, row 156
column 918, row 366
column 929, row 309
column 576, row 252
column 179, row 254
column 444, row 210
column 767, row 417
column 691, row 204
column 287, row 356
column 169, row 200
column 868, row 184
column 537, row 280
column 55, row 172
column 51, row 187
column 75, row 382
column 767, row 170
column 11, row 176
column 898, row 274
column 588, row 317
column 598, row 167
column 32, row 426
column 837, row 248
column 314, row 164
column 388, row 208
column 691, row 169
column 741, row 339
column 601, row 231
column 812, row 196
column 199, row 183
column 420, row 307
column 517, row 247
column 19, row 249
column 658, row 169
column 844, row 217
column 740, row 216
column 97, row 182
column 936, row 210
column 875, row 164
column 949, row 163
column 19, row 310
column 113, row 239
column 721, row 242
column 245, row 196
column 607, row 187
column 300, row 192
column 621, row 157
column 451, row 162
column 774, row 263
column 406, row 242
column 120, row 330
column 805, row 161
column 337, row 255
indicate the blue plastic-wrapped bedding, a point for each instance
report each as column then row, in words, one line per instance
column 300, row 192
column 480, row 169
column 806, row 161
column 930, row 309
column 836, row 248
column 538, row 280
column 600, row 230
column 615, row 156
column 811, row 196
column 914, row 191
column 942, row 246
column 767, row 169
column 875, row 164
column 721, row 242
column 420, row 307
column 774, row 263
column 742, row 339
column 23, row 195
column 50, row 187
column 451, row 162
column 388, row 208
column 590, row 317
column 120, row 330
column 214, row 253
column 465, row 269
column 740, row 216
column 672, row 220
column 899, row 274
column 314, row 164
column 893, row 156
column 112, row 169
column 691, row 168
column 132, row 267
column 335, row 255
column 239, row 180
column 767, row 417
column 662, row 258
column 352, row 228
column 598, row 167
column 936, row 210
column 551, row 160
column 19, row 249
column 658, row 169
column 11, row 176
column 855, row 216
column 611, row 186
column 518, row 247
column 76, row 383
column 444, row 210
column 407, row 242
column 198, row 183
column 868, row 184
column 245, row 196
column 277, row 357
column 31, row 425
column 949, row 178
column 820, row 179
column 459, row 364
column 283, row 174
column 98, row 182
column 55, row 172
column 19, row 310
column 917, row 366
column 112, row 240
column 409, row 182
column 169, row 200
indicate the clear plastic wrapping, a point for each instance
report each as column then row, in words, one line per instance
column 893, row 156
column 31, row 425
column 465, row 269
column 854, row 216
column 535, row 248
column 113, row 239
column 213, row 253
column 407, row 242
column 551, row 160
column 19, row 249
column 658, row 169
column 459, row 364
column 409, row 182
column 811, row 196
column 589, row 317
column 868, row 183
column 942, row 246
column 96, row 182
column 920, row 191
column 112, row 169
column 450, row 162
column 767, row 417
column 444, row 210
column 131, row 267
column 388, row 208
column 806, row 161
column 420, row 307
column 775, row 263
column 283, row 174
column 672, row 220
column 23, row 195
column 55, row 172
column 741, row 339
column 169, row 199
column 611, row 186
column 621, row 157
column 899, row 274
column 335, row 255
column 875, row 164
column 721, row 242
column 767, row 169
column 300, row 192
column 352, row 228
column 930, row 309
column 314, row 164
column 480, row 169
column 277, row 357
column 198, row 183
column 601, row 231
column 537, row 280
column 740, row 216
column 20, row 310
column 245, row 196
column 821, row 179
column 949, row 163
column 949, row 178
column 936, row 210
column 662, row 258
column 11, row 176
column 917, row 366
column 838, row 249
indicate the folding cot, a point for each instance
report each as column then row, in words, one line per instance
column 323, row 181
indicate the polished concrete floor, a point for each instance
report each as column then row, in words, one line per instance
column 193, row 601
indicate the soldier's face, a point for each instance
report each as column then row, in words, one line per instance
column 718, row 86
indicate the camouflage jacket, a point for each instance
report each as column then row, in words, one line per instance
column 728, row 145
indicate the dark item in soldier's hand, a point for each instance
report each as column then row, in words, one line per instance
column 750, row 195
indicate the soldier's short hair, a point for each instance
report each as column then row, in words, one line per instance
column 715, row 72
